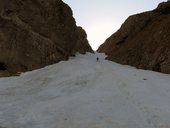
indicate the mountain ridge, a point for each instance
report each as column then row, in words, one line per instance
column 36, row 33
column 142, row 41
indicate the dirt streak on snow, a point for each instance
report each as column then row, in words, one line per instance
column 83, row 93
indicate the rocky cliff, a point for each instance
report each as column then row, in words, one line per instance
column 142, row 41
column 36, row 33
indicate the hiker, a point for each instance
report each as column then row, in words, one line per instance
column 97, row 59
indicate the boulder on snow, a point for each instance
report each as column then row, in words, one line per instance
column 36, row 33
column 142, row 41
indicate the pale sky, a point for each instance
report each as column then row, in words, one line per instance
column 101, row 18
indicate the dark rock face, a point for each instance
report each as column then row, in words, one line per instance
column 142, row 41
column 36, row 33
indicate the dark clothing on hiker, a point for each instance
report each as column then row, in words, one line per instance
column 97, row 59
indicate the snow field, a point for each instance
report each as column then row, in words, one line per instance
column 83, row 93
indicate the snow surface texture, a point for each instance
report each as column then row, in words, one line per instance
column 84, row 93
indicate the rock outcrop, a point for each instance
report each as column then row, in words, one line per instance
column 142, row 41
column 36, row 33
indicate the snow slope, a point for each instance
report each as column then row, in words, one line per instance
column 83, row 93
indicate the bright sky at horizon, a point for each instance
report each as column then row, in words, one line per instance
column 101, row 18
